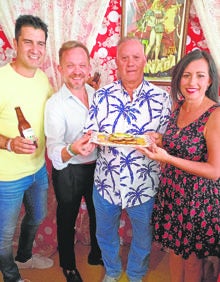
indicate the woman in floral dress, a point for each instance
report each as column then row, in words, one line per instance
column 187, row 209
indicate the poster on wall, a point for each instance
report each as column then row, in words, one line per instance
column 161, row 25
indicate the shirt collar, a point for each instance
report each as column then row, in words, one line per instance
column 68, row 94
column 135, row 91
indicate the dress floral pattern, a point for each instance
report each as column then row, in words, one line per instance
column 186, row 214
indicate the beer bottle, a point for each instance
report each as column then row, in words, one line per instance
column 96, row 77
column 24, row 127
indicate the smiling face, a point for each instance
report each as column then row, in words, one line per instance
column 131, row 61
column 74, row 68
column 195, row 80
column 31, row 50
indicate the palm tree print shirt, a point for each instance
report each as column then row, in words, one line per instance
column 123, row 176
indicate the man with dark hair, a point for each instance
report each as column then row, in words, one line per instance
column 29, row 20
column 23, row 174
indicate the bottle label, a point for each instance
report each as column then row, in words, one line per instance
column 29, row 134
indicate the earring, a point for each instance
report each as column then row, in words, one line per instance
column 180, row 96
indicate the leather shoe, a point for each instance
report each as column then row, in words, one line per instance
column 72, row 275
column 95, row 260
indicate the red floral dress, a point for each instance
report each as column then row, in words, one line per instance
column 186, row 216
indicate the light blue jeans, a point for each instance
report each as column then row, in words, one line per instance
column 32, row 191
column 108, row 220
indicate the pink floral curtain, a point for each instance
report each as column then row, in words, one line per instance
column 209, row 15
column 67, row 20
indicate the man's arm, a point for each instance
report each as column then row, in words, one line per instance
column 18, row 145
column 5, row 142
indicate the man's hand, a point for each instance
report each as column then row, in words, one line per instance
column 20, row 145
column 82, row 146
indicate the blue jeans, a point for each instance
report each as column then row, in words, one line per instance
column 32, row 191
column 107, row 224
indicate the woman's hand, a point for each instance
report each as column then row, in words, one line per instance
column 154, row 152
column 155, row 138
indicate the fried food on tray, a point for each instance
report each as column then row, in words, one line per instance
column 121, row 139
column 126, row 138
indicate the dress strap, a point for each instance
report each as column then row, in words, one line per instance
column 211, row 109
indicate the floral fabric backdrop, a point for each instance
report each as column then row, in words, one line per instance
column 102, row 54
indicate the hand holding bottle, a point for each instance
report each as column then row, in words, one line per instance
column 95, row 81
column 21, row 145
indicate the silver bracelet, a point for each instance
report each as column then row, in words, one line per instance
column 70, row 151
column 8, row 145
